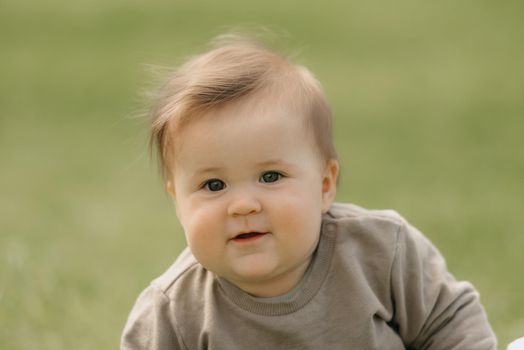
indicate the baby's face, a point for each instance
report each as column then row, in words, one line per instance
column 250, row 190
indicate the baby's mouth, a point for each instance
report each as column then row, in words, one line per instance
column 248, row 236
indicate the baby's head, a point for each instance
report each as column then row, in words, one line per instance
column 244, row 142
column 234, row 70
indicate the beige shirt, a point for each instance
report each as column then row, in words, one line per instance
column 375, row 282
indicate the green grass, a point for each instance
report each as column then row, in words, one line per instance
column 428, row 111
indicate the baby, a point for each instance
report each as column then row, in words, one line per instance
column 244, row 142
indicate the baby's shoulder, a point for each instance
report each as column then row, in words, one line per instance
column 359, row 228
column 182, row 273
column 349, row 212
column 378, row 230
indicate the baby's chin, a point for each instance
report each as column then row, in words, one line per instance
column 262, row 277
column 253, row 268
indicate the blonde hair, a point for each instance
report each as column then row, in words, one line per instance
column 235, row 68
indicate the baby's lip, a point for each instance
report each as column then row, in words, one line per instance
column 248, row 234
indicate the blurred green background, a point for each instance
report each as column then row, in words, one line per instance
column 428, row 104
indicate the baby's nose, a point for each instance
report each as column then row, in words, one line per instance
column 244, row 205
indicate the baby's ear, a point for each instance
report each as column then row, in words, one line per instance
column 329, row 184
column 170, row 188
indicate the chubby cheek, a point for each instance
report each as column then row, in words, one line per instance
column 204, row 230
column 299, row 218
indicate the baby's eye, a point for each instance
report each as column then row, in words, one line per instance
column 270, row 176
column 215, row 185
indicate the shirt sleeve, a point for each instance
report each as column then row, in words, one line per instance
column 432, row 310
column 149, row 325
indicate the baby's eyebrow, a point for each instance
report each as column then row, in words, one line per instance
column 276, row 163
column 279, row 162
column 264, row 164
column 208, row 170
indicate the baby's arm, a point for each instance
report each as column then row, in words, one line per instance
column 432, row 309
column 149, row 325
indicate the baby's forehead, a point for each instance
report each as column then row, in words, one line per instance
column 248, row 109
column 242, row 139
